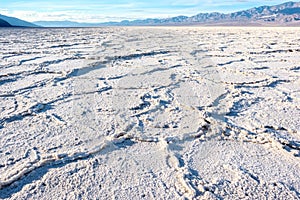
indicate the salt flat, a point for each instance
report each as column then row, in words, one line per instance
column 150, row 113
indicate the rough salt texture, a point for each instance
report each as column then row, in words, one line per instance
column 153, row 113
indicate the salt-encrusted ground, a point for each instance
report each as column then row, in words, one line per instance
column 150, row 113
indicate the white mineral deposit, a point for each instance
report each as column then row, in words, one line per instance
column 150, row 113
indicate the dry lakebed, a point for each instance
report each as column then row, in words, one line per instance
column 150, row 113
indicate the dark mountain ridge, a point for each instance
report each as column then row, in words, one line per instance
column 4, row 23
column 16, row 22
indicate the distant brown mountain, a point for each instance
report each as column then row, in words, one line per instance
column 286, row 14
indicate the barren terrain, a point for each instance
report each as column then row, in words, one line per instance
column 150, row 113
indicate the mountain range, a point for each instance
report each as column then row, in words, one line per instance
column 283, row 15
column 4, row 23
column 14, row 22
column 286, row 14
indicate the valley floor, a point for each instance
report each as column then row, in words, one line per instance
column 150, row 113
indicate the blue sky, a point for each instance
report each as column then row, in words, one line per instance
column 117, row 10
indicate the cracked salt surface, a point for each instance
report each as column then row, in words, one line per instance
column 154, row 113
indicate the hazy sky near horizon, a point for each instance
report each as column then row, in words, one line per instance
column 117, row 10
